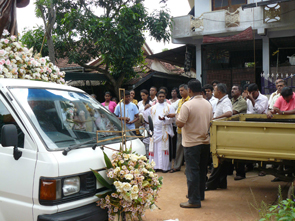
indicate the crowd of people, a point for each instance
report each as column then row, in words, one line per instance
column 181, row 126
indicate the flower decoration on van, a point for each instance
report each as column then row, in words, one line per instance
column 135, row 186
column 17, row 61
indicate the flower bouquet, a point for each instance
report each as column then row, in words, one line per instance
column 135, row 186
column 17, row 61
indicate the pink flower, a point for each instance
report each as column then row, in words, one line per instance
column 6, row 41
column 2, row 52
column 42, row 60
column 7, row 62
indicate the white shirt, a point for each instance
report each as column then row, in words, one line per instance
column 155, row 99
column 213, row 101
column 272, row 99
column 175, row 104
column 223, row 105
column 260, row 107
column 141, row 106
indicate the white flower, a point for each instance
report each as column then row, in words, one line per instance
column 128, row 176
column 13, row 38
column 2, row 53
column 153, row 164
column 126, row 187
column 8, row 49
column 143, row 157
column 127, row 198
column 118, row 186
column 125, row 156
column 28, row 76
column 8, row 75
column 5, row 32
column 153, row 207
column 151, row 174
column 134, row 189
column 134, row 196
column 117, row 170
column 42, row 60
column 133, row 157
column 145, row 170
column 17, row 45
column 1, row 76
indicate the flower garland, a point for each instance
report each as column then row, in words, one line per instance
column 17, row 61
column 135, row 186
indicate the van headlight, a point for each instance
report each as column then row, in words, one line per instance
column 71, row 186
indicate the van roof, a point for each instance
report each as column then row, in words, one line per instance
column 7, row 82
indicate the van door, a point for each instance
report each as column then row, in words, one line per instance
column 16, row 176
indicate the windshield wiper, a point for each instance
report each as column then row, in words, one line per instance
column 76, row 146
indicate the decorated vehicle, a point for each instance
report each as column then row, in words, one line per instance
column 48, row 146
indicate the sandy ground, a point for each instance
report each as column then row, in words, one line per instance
column 240, row 201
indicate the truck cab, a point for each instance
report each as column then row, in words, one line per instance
column 47, row 132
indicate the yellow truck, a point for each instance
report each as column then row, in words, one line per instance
column 253, row 137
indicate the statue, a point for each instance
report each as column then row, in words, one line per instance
column 8, row 14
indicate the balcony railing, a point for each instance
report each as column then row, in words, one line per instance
column 223, row 21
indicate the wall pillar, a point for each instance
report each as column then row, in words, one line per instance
column 265, row 55
column 199, row 61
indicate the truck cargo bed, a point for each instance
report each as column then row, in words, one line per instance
column 253, row 137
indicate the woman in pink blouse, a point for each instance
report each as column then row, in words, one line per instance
column 108, row 104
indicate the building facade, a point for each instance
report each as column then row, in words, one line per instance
column 239, row 41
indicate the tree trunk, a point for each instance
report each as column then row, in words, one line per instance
column 51, row 48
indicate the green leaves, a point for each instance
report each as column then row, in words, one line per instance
column 107, row 161
column 101, row 180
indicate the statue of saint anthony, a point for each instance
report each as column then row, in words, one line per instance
column 8, row 14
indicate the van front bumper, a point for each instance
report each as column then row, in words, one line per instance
column 85, row 213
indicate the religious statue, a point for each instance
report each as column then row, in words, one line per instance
column 8, row 14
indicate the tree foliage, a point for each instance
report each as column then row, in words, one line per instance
column 34, row 38
column 111, row 31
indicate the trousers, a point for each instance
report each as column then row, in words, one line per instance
column 196, row 159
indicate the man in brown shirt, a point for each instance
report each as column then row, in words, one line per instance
column 194, row 119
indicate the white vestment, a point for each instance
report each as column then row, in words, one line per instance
column 159, row 143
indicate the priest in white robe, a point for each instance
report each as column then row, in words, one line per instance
column 159, row 143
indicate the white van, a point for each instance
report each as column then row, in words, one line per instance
column 47, row 148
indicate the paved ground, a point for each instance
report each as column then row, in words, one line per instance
column 241, row 201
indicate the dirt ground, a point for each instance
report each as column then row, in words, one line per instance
column 240, row 201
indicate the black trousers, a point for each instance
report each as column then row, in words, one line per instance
column 218, row 177
column 196, row 159
column 240, row 169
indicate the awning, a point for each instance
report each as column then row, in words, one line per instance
column 175, row 56
column 245, row 35
column 263, row 3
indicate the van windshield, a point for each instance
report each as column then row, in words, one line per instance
column 66, row 118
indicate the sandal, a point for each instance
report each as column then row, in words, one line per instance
column 174, row 170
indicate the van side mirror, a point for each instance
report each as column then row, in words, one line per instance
column 9, row 138
column 151, row 125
